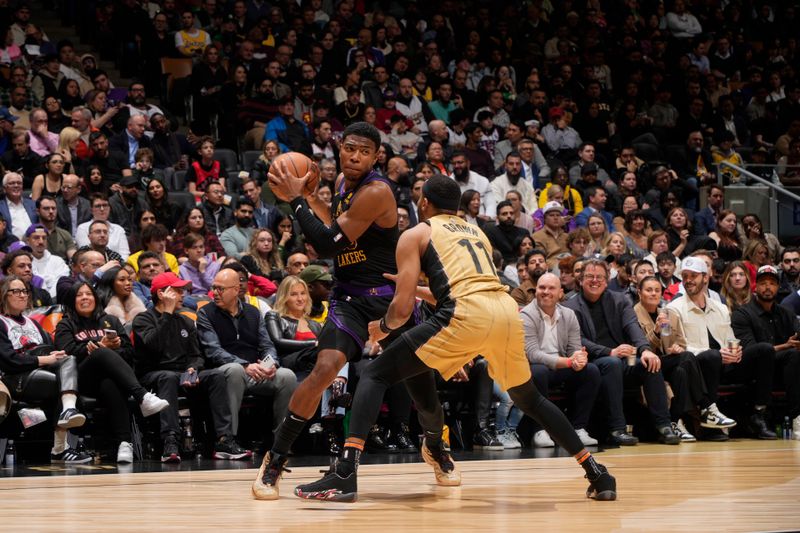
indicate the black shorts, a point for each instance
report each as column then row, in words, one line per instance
column 346, row 328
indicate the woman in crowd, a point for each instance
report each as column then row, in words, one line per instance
column 752, row 228
column 104, row 353
column 269, row 151
column 425, row 170
column 664, row 332
column 194, row 222
column 658, row 242
column 232, row 95
column 166, row 212
column 385, row 153
column 598, row 233
column 146, row 218
column 470, row 207
column 115, row 296
column 26, row 350
column 736, row 285
column 729, row 243
column 295, row 338
column 70, row 94
column 67, row 144
column 199, row 267
column 679, row 231
column 262, row 257
column 95, row 182
column 636, row 231
column 102, row 113
column 56, row 119
column 49, row 183
column 288, row 238
column 614, row 245
column 755, row 255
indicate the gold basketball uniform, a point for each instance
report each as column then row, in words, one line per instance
column 474, row 313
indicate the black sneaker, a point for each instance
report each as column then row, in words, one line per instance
column 376, row 441
column 332, row 487
column 603, row 487
column 485, row 439
column 170, row 453
column 265, row 487
column 71, row 418
column 227, row 448
column 401, row 438
column 71, row 456
column 444, row 468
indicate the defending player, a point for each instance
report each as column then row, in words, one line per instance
column 362, row 240
column 474, row 315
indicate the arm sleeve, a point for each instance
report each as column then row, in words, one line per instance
column 327, row 241
column 215, row 354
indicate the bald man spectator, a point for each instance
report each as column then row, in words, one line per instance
column 128, row 142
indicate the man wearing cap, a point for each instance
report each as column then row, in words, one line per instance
column 168, row 359
column 595, row 203
column 18, row 212
column 707, row 329
column 126, row 206
column 552, row 237
column 47, row 266
column 769, row 333
column 319, row 282
column 291, row 134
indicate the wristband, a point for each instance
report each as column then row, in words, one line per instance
column 384, row 328
column 569, row 362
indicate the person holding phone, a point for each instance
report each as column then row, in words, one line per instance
column 168, row 359
column 105, row 354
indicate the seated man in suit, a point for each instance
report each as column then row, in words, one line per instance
column 18, row 212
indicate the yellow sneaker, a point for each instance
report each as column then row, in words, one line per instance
column 265, row 487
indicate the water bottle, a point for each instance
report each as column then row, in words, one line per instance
column 11, row 453
column 787, row 428
column 666, row 329
column 188, row 437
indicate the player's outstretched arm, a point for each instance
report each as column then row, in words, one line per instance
column 410, row 247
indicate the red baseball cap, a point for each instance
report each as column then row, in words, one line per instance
column 167, row 279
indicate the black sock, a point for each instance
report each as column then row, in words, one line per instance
column 590, row 466
column 433, row 440
column 348, row 464
column 287, row 433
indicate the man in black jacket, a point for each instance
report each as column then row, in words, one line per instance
column 218, row 216
column 168, row 359
column 617, row 345
column 764, row 327
column 505, row 236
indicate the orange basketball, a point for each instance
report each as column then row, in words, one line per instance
column 298, row 165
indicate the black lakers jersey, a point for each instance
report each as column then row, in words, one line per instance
column 364, row 262
column 458, row 261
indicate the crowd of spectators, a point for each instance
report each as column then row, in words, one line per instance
column 586, row 138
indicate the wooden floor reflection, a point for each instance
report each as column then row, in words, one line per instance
column 741, row 486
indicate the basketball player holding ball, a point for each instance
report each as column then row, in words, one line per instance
column 359, row 231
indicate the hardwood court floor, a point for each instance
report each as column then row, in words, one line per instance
column 737, row 486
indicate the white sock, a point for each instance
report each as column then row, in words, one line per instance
column 68, row 400
column 59, row 440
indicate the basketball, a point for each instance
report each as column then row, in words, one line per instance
column 298, row 165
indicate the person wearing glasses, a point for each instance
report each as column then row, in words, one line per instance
column 26, row 352
column 109, row 241
column 235, row 340
column 18, row 212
